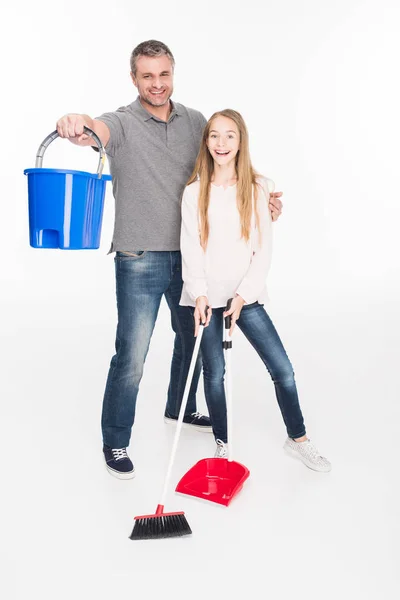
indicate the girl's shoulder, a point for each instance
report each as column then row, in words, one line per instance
column 266, row 184
column 193, row 188
column 191, row 192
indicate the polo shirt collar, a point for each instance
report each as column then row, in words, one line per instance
column 147, row 115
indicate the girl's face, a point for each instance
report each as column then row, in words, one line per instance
column 223, row 140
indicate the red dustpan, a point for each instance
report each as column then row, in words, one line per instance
column 214, row 479
column 218, row 479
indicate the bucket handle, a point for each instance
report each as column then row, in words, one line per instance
column 50, row 138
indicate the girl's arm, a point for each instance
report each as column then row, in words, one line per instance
column 253, row 282
column 193, row 258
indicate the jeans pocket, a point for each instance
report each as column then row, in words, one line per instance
column 130, row 255
column 252, row 305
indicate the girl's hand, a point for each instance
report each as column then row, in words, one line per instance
column 200, row 313
column 235, row 310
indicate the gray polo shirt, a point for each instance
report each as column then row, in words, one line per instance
column 150, row 162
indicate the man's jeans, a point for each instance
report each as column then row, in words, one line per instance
column 141, row 281
column 262, row 335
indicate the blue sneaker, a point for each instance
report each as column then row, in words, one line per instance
column 196, row 421
column 118, row 462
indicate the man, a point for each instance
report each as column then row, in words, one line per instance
column 151, row 146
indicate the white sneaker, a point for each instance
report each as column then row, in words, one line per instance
column 308, row 454
column 222, row 450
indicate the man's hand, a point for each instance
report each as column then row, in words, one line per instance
column 235, row 310
column 71, row 127
column 275, row 205
column 200, row 314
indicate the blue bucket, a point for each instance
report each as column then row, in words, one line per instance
column 66, row 207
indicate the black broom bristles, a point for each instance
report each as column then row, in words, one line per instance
column 159, row 526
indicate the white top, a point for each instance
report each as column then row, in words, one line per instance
column 230, row 265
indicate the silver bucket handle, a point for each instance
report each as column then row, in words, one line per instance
column 50, row 138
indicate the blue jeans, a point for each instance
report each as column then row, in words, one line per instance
column 141, row 281
column 262, row 335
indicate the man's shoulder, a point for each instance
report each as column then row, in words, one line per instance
column 129, row 108
column 191, row 112
column 119, row 115
column 122, row 111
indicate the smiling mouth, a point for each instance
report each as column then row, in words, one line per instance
column 219, row 153
column 157, row 93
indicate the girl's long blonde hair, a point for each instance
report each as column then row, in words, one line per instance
column 247, row 186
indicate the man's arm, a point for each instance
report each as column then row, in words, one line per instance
column 71, row 126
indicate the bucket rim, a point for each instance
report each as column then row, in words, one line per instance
column 33, row 170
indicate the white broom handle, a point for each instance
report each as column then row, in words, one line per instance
column 182, row 412
column 228, row 393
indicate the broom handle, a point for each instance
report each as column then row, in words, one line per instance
column 182, row 413
column 228, row 380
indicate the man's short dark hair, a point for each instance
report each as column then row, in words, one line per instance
column 150, row 48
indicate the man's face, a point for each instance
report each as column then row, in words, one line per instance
column 154, row 79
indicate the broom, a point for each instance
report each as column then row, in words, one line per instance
column 174, row 524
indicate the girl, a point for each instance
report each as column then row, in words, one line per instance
column 226, row 252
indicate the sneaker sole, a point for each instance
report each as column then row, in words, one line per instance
column 119, row 475
column 204, row 428
column 311, row 466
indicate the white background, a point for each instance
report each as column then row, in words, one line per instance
column 317, row 83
